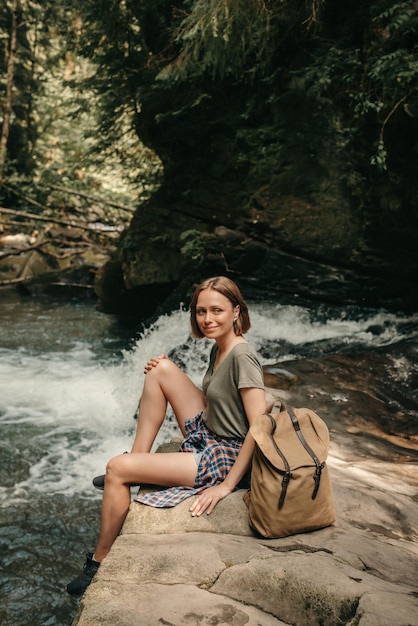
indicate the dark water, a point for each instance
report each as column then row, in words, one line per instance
column 70, row 380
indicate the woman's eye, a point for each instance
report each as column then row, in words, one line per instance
column 200, row 312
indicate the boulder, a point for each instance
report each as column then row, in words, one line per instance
column 167, row 567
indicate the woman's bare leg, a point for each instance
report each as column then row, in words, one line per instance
column 165, row 383
column 165, row 469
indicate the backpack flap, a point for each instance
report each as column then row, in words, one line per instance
column 285, row 437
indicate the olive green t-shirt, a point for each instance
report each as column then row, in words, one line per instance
column 224, row 413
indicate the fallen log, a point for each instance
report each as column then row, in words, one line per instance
column 53, row 220
column 88, row 196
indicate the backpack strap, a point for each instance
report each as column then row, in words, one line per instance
column 287, row 474
column 318, row 464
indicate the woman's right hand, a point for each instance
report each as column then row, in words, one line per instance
column 154, row 362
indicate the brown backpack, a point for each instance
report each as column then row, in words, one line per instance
column 290, row 490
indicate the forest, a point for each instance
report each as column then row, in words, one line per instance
column 152, row 142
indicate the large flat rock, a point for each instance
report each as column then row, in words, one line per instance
column 167, row 567
column 229, row 516
column 153, row 604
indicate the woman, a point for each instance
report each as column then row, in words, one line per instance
column 217, row 449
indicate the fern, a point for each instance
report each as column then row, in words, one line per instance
column 220, row 37
column 396, row 17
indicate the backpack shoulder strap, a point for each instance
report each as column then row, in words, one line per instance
column 287, row 474
column 318, row 464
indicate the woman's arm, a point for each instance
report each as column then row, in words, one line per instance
column 255, row 404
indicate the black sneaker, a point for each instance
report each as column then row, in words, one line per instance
column 77, row 587
column 98, row 482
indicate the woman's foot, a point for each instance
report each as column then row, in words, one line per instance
column 77, row 587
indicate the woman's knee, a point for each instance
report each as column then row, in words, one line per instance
column 166, row 366
column 165, row 369
column 114, row 467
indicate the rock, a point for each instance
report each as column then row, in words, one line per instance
column 18, row 240
column 142, row 519
column 74, row 281
column 182, row 604
column 167, row 567
column 310, row 589
column 277, row 377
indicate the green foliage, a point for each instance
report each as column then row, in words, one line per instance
column 396, row 17
column 379, row 159
column 193, row 247
column 368, row 81
column 261, row 90
column 220, row 39
column 201, row 248
column 57, row 133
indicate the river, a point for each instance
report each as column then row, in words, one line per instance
column 70, row 380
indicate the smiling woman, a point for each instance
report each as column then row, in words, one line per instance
column 216, row 450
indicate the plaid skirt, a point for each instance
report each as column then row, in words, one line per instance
column 218, row 456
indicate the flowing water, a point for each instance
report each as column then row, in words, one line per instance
column 70, row 381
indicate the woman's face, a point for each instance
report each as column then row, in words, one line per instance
column 215, row 314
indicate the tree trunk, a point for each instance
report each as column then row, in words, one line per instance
column 9, row 89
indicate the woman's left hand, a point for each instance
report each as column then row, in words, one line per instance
column 208, row 499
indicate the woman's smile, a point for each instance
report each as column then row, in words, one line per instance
column 215, row 314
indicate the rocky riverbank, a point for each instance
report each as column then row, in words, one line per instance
column 169, row 568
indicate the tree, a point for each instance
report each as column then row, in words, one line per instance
column 10, row 53
column 21, row 25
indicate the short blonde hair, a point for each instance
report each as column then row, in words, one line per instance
column 229, row 289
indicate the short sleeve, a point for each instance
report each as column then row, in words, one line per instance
column 250, row 372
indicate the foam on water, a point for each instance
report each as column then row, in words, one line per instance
column 297, row 325
column 69, row 412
